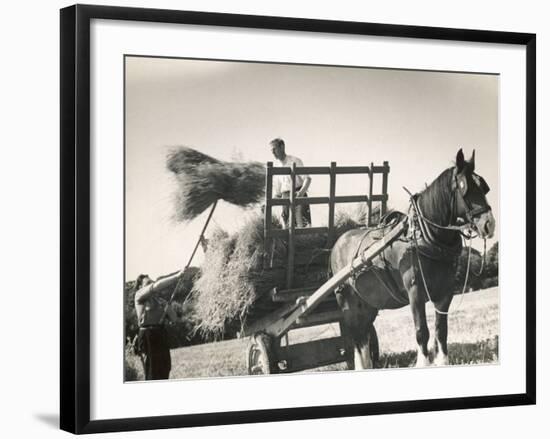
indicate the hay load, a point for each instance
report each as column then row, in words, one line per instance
column 203, row 180
column 233, row 287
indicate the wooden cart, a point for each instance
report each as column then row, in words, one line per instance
column 269, row 351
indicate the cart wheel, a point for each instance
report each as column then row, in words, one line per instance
column 258, row 355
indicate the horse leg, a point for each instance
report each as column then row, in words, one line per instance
column 343, row 298
column 418, row 308
column 348, row 344
column 362, row 335
column 356, row 327
column 440, row 340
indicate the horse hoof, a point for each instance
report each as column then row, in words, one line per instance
column 422, row 361
column 441, row 360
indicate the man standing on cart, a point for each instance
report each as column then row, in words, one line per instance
column 283, row 185
column 152, row 310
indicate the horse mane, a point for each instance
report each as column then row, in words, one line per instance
column 435, row 200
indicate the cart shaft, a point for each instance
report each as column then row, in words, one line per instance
column 306, row 305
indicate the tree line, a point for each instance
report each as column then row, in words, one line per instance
column 483, row 273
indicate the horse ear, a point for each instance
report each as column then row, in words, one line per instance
column 460, row 162
column 472, row 160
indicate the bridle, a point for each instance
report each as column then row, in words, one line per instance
column 459, row 190
column 460, row 186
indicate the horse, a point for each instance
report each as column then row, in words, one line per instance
column 418, row 267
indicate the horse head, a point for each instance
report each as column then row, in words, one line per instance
column 470, row 190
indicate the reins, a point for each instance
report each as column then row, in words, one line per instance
column 414, row 204
column 426, row 285
column 483, row 259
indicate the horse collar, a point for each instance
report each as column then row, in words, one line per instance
column 427, row 244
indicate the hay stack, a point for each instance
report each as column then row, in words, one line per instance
column 202, row 180
column 233, row 288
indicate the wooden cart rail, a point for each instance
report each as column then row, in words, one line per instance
column 332, row 200
column 323, row 170
column 326, row 200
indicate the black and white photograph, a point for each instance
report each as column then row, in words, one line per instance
column 275, row 219
column 296, row 218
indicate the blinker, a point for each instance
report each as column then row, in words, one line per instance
column 462, row 184
column 480, row 181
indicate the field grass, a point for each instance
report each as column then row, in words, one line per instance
column 473, row 339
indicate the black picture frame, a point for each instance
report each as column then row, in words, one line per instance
column 75, row 217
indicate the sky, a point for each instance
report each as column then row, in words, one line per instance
column 416, row 120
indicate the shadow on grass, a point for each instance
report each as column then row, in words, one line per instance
column 484, row 351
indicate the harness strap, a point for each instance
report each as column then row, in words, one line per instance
column 371, row 268
column 426, row 285
column 416, row 207
column 451, row 251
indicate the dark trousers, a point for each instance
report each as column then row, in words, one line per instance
column 153, row 343
column 306, row 212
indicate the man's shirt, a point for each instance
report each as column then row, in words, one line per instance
column 150, row 310
column 283, row 183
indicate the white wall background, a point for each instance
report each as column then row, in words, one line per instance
column 29, row 237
